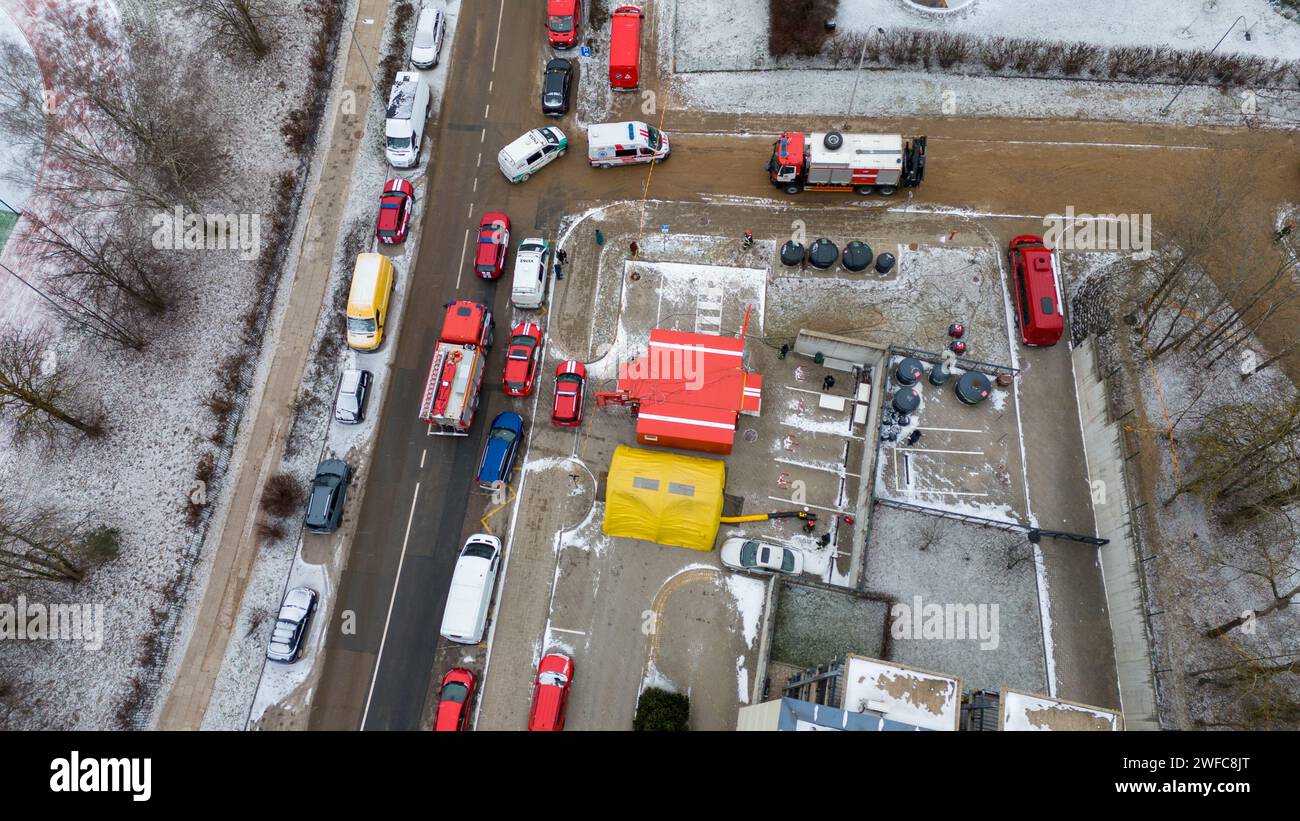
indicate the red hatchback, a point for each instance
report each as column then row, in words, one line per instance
column 1037, row 292
column 395, row 206
column 562, row 19
column 454, row 698
column 522, row 356
column 551, row 692
column 493, row 241
column 570, row 381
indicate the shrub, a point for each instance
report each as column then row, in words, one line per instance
column 660, row 710
column 102, row 543
column 283, row 496
column 272, row 531
column 599, row 14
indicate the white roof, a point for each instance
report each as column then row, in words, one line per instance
column 606, row 133
column 867, row 150
column 401, row 100
column 1031, row 711
column 902, row 693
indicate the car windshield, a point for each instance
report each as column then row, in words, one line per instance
column 748, row 553
column 503, row 435
column 399, row 143
column 787, row 561
column 359, row 325
column 561, row 25
column 478, row 550
column 523, row 346
column 652, row 137
column 551, row 679
column 455, row 691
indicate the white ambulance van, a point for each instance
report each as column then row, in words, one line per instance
column 625, row 143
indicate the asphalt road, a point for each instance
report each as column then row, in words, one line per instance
column 419, row 503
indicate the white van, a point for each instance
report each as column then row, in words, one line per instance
column 466, row 613
column 625, row 143
column 428, row 39
column 408, row 109
column 532, row 265
column 530, row 152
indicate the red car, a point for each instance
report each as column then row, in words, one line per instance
column 522, row 356
column 1036, row 291
column 551, row 692
column 454, row 698
column 562, row 20
column 395, row 206
column 493, row 240
column 570, row 379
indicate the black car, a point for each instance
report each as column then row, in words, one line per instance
column 555, row 87
column 328, row 491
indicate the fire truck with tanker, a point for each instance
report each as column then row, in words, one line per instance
column 456, row 375
column 834, row 161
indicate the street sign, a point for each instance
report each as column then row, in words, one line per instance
column 663, row 229
column 585, row 51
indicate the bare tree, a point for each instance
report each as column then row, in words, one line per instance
column 1269, row 556
column 1244, row 449
column 110, row 265
column 39, row 544
column 236, row 23
column 39, row 396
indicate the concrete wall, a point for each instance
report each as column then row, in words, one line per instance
column 1120, row 566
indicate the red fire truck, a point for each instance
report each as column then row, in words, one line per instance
column 625, row 48
column 451, row 394
column 863, row 163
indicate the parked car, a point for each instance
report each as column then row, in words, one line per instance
column 429, row 30
column 454, row 698
column 757, row 556
column 522, row 358
column 499, row 452
column 464, row 619
column 395, row 206
column 522, row 158
column 570, row 385
column 532, row 269
column 291, row 625
column 405, row 118
column 563, row 17
column 353, row 394
column 555, row 87
column 329, row 490
column 493, row 242
column 551, row 692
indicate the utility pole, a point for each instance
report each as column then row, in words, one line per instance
column 1192, row 74
column 857, row 76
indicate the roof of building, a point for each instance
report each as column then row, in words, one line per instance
column 1020, row 710
column 798, row 715
column 691, row 386
column 900, row 693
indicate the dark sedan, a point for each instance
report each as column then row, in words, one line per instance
column 328, row 491
column 555, row 87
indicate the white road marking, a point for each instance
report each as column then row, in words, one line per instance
column 575, row 632
column 941, row 492
column 480, row 159
column 389, row 618
column 807, row 504
column 936, row 450
column 487, row 108
column 953, row 430
column 838, row 471
column 501, row 13
column 476, row 185
column 483, row 136
column 422, row 455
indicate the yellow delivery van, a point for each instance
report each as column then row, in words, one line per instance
column 372, row 290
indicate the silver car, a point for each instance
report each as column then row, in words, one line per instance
column 428, row 39
column 756, row 556
column 291, row 625
column 354, row 392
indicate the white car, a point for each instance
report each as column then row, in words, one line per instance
column 532, row 266
column 756, row 556
column 428, row 38
column 291, row 625
column 519, row 160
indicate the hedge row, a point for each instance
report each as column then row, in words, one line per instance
column 1020, row 56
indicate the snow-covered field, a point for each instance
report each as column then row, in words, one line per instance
column 721, row 62
column 138, row 477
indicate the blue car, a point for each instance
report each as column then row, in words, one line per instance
column 502, row 447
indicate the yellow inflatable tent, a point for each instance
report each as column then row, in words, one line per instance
column 664, row 498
